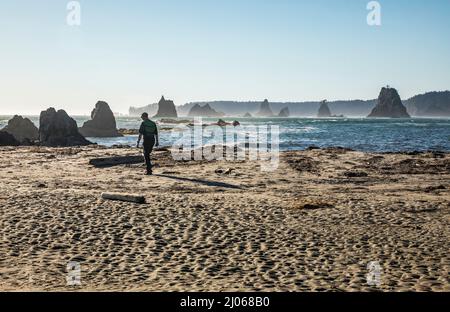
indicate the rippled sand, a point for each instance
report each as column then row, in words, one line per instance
column 314, row 224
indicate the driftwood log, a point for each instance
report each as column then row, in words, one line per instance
column 124, row 197
column 116, row 161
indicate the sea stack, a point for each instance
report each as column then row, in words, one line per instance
column 389, row 105
column 265, row 110
column 284, row 113
column 204, row 111
column 166, row 109
column 247, row 115
column 102, row 123
column 324, row 110
column 57, row 129
column 22, row 129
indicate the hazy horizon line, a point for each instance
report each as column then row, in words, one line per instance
column 213, row 101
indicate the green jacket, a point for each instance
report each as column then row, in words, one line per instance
column 148, row 128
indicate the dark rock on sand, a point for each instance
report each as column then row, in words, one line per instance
column 312, row 204
column 7, row 139
column 284, row 113
column 224, row 171
column 22, row 129
column 166, row 108
column 302, row 163
column 389, row 105
column 356, row 174
column 102, row 123
column 435, row 188
column 265, row 110
column 324, row 110
column 418, row 164
column 56, row 128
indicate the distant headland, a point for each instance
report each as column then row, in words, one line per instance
column 430, row 104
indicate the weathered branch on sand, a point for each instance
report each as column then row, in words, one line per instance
column 116, row 161
column 124, row 197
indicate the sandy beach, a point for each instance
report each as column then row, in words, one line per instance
column 312, row 225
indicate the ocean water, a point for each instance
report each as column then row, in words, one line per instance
column 373, row 135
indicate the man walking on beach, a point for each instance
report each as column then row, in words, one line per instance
column 149, row 131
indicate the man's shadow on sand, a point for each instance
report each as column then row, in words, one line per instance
column 204, row 182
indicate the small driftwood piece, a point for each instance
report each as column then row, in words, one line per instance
column 116, row 161
column 124, row 197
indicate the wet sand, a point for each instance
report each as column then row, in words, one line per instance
column 312, row 225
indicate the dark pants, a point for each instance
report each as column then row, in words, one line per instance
column 149, row 143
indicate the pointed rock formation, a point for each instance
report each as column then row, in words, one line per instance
column 166, row 109
column 204, row 111
column 265, row 110
column 56, row 128
column 102, row 123
column 22, row 129
column 248, row 115
column 284, row 113
column 324, row 110
column 7, row 139
column 389, row 105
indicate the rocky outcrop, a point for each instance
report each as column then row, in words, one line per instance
column 223, row 123
column 324, row 110
column 204, row 111
column 265, row 110
column 389, row 105
column 248, row 115
column 220, row 123
column 56, row 128
column 166, row 109
column 284, row 113
column 102, row 123
column 174, row 121
column 7, row 139
column 22, row 129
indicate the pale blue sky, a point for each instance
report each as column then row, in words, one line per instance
column 131, row 52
